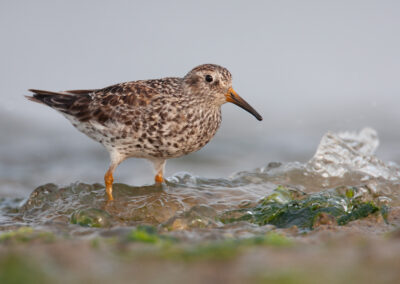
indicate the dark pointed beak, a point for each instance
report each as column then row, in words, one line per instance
column 232, row 97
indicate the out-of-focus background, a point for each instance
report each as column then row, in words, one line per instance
column 306, row 66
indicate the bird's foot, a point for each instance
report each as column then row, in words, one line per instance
column 159, row 178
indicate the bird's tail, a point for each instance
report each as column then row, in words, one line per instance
column 52, row 99
column 61, row 101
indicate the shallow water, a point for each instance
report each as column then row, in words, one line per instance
column 195, row 208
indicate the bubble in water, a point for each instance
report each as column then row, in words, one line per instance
column 91, row 217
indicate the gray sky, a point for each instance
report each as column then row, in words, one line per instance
column 306, row 66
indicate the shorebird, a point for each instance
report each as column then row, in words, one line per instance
column 152, row 119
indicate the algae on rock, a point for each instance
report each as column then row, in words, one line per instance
column 288, row 207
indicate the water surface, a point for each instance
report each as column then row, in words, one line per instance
column 343, row 172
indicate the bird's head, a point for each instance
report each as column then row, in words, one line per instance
column 213, row 84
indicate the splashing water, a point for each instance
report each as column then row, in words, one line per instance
column 198, row 207
column 348, row 152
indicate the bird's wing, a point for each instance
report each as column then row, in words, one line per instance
column 122, row 102
column 116, row 103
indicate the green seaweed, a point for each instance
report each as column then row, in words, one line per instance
column 171, row 248
column 25, row 235
column 224, row 249
column 144, row 234
column 286, row 208
column 272, row 239
column 148, row 234
column 359, row 211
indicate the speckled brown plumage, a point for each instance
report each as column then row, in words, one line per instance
column 152, row 119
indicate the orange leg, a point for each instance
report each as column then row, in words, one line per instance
column 159, row 167
column 116, row 159
column 159, row 177
column 108, row 179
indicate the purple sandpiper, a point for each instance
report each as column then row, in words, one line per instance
column 152, row 119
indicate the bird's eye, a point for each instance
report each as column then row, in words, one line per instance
column 209, row 78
